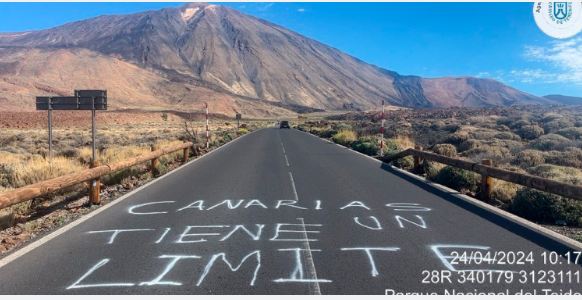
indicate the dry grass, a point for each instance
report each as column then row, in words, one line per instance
column 404, row 142
column 20, row 170
column 23, row 152
column 345, row 137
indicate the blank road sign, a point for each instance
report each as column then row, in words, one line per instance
column 91, row 93
column 83, row 100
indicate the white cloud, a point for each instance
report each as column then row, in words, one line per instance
column 301, row 9
column 265, row 7
column 561, row 63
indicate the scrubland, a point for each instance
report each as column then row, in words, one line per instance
column 542, row 141
column 24, row 155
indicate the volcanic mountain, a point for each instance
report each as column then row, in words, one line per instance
column 180, row 57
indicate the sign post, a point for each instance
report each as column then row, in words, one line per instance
column 238, row 117
column 207, row 132
column 50, row 131
column 92, row 100
column 382, row 131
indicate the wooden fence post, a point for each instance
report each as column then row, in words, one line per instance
column 155, row 163
column 95, row 186
column 186, row 153
column 416, row 157
column 486, row 182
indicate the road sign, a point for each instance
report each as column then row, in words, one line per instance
column 71, row 103
column 83, row 100
column 92, row 100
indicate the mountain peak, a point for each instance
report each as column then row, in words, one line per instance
column 244, row 58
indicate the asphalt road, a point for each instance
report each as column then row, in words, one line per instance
column 279, row 211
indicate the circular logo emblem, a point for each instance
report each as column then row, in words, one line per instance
column 559, row 19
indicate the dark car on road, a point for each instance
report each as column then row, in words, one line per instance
column 284, row 124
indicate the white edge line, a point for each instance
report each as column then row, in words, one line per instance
column 502, row 213
column 37, row 243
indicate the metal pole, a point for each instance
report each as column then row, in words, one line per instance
column 207, row 133
column 93, row 129
column 382, row 132
column 50, row 130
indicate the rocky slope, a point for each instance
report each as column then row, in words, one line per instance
column 212, row 53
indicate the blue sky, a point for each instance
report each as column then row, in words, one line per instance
column 494, row 40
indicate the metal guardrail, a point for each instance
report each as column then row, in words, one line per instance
column 487, row 172
column 92, row 176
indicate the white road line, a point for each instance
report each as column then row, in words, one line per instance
column 286, row 160
column 284, row 152
column 314, row 288
column 293, row 186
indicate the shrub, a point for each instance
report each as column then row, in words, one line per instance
column 571, row 157
column 345, row 137
column 430, row 169
column 556, row 125
column 404, row 163
column 559, row 173
column 550, row 142
column 530, row 132
column 573, row 133
column 470, row 144
column 445, row 149
column 529, row 158
column 458, row 179
column 495, row 153
column 367, row 145
column 456, row 138
column 546, row 208
column 242, row 131
column 451, row 127
column 507, row 136
column 519, row 124
column 504, row 191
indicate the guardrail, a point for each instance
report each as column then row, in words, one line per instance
column 487, row 172
column 92, row 176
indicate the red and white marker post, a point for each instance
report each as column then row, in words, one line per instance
column 207, row 132
column 382, row 131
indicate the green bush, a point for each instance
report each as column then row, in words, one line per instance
column 445, row 149
column 404, row 163
column 367, row 145
column 546, row 208
column 458, row 179
column 430, row 169
column 530, row 132
column 226, row 137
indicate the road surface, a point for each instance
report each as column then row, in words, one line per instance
column 279, row 211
